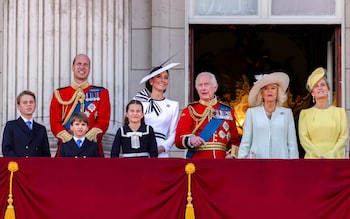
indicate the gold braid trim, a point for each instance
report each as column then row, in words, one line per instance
column 234, row 151
column 200, row 118
column 209, row 146
column 65, row 136
column 61, row 101
column 183, row 141
column 78, row 95
column 92, row 134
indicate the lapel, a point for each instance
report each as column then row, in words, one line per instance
column 279, row 111
column 76, row 149
column 35, row 128
column 84, row 145
column 22, row 125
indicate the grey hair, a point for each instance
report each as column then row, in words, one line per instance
column 209, row 74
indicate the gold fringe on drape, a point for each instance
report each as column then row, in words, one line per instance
column 10, row 211
column 189, row 214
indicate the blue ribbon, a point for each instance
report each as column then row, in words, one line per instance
column 208, row 130
column 86, row 103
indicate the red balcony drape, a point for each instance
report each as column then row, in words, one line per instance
column 157, row 188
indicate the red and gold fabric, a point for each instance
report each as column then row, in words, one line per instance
column 195, row 117
column 92, row 100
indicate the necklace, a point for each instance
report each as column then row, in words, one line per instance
column 269, row 110
column 269, row 115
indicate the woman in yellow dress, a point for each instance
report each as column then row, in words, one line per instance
column 323, row 128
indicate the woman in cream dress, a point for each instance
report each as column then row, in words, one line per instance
column 269, row 130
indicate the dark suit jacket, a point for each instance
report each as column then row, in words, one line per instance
column 19, row 141
column 87, row 149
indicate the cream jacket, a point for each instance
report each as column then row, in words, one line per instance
column 269, row 138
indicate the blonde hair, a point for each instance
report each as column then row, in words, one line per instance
column 281, row 97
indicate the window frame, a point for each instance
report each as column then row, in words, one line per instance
column 264, row 16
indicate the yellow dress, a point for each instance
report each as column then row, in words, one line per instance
column 323, row 133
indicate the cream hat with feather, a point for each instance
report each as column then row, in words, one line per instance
column 280, row 78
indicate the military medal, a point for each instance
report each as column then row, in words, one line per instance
column 91, row 107
column 222, row 114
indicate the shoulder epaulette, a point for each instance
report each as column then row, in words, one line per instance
column 225, row 104
column 98, row 87
column 193, row 103
column 61, row 88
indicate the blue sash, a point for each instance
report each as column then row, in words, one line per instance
column 208, row 130
column 91, row 95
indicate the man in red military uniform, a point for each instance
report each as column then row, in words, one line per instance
column 80, row 96
column 207, row 128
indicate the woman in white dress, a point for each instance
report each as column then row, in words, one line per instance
column 160, row 112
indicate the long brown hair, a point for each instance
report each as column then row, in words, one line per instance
column 126, row 120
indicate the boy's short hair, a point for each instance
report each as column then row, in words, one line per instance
column 25, row 92
column 79, row 116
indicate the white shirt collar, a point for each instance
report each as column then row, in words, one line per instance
column 25, row 120
column 82, row 139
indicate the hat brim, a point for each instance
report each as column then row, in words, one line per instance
column 315, row 77
column 280, row 78
column 152, row 74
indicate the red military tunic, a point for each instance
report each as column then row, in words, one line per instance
column 224, row 138
column 92, row 100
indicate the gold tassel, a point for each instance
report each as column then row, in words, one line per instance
column 189, row 214
column 10, row 211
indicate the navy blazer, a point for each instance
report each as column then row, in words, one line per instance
column 19, row 141
column 87, row 149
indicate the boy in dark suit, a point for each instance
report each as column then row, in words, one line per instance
column 79, row 145
column 24, row 137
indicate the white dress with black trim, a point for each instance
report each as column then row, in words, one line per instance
column 162, row 115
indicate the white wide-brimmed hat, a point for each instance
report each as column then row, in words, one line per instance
column 157, row 70
column 280, row 78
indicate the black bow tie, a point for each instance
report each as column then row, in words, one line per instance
column 144, row 96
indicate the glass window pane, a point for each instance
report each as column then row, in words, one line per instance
column 303, row 7
column 225, row 7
